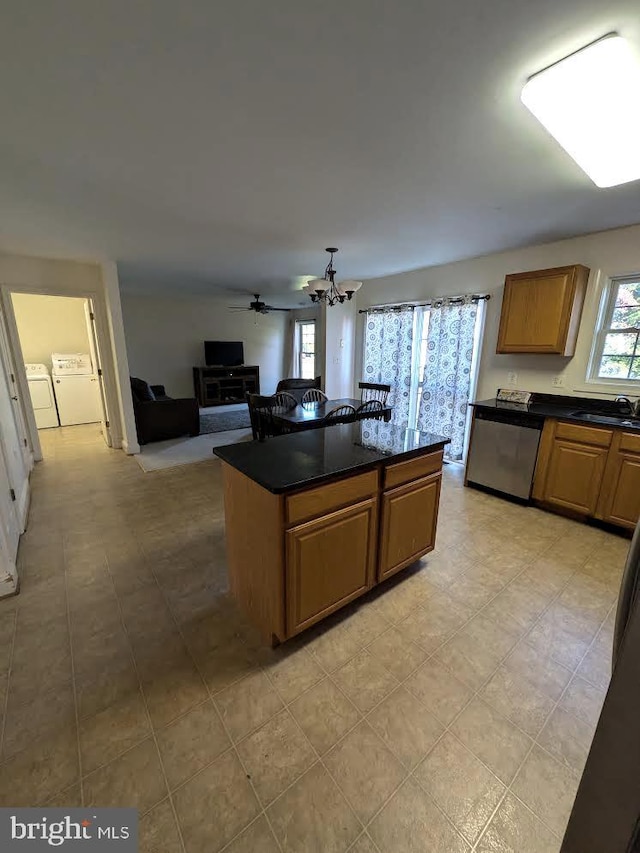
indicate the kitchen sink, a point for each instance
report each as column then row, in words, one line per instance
column 619, row 420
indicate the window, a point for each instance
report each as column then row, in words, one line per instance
column 306, row 346
column 616, row 355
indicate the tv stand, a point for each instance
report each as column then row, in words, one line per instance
column 218, row 386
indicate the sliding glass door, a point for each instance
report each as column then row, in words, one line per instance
column 428, row 354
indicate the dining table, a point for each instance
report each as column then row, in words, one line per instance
column 311, row 415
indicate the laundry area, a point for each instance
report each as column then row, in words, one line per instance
column 59, row 352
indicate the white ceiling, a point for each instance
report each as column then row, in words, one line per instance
column 213, row 145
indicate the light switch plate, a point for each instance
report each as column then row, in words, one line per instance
column 512, row 377
column 558, row 381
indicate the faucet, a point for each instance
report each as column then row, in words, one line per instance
column 632, row 409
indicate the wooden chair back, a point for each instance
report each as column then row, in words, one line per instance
column 374, row 391
column 260, row 415
column 370, row 407
column 314, row 395
column 284, row 400
column 340, row 415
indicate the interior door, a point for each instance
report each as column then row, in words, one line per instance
column 94, row 348
column 15, row 483
column 16, row 403
column 9, row 534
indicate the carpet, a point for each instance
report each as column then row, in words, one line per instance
column 184, row 451
column 224, row 421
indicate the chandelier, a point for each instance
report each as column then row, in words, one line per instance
column 329, row 291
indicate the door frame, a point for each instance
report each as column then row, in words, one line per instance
column 100, row 311
column 12, row 373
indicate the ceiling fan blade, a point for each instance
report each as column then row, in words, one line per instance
column 239, row 308
column 271, row 308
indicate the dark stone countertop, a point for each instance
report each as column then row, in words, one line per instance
column 309, row 458
column 577, row 409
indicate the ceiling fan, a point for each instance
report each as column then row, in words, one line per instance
column 257, row 306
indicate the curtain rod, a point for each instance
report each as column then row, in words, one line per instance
column 475, row 297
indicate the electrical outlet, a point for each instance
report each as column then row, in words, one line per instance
column 512, row 377
column 558, row 381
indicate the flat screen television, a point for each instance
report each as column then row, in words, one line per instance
column 223, row 353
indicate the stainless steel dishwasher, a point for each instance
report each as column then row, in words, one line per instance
column 503, row 451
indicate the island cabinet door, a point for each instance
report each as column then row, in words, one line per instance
column 330, row 561
column 409, row 517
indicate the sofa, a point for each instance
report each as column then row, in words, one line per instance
column 159, row 417
column 297, row 387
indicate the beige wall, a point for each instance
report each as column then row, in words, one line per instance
column 607, row 253
column 340, row 326
column 165, row 338
column 49, row 324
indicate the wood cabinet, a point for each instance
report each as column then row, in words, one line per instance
column 408, row 524
column 216, row 386
column 330, row 561
column 620, row 497
column 575, row 476
column 541, row 311
column 296, row 557
column 593, row 471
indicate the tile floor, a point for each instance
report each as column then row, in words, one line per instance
column 452, row 711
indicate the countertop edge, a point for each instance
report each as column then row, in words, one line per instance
column 337, row 475
column 559, row 413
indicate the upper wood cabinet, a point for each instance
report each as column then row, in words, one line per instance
column 541, row 310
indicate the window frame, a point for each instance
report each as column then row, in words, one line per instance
column 603, row 328
column 299, row 337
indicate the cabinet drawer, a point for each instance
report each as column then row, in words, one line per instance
column 313, row 503
column 584, row 434
column 630, row 441
column 412, row 469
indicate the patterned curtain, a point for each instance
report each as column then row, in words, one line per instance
column 447, row 379
column 388, row 346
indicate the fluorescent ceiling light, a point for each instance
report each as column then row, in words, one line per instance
column 590, row 102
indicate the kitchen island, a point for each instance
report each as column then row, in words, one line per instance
column 315, row 519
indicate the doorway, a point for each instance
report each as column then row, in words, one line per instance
column 60, row 360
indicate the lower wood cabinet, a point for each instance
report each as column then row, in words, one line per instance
column 329, row 562
column 620, row 497
column 594, row 471
column 623, row 506
column 408, row 524
column 575, row 475
column 295, row 558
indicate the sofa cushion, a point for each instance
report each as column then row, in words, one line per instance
column 142, row 393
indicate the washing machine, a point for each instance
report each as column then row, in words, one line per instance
column 42, row 396
column 76, row 387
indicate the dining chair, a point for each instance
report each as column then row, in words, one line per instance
column 374, row 391
column 340, row 415
column 284, row 400
column 260, row 415
column 370, row 408
column 314, row 395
